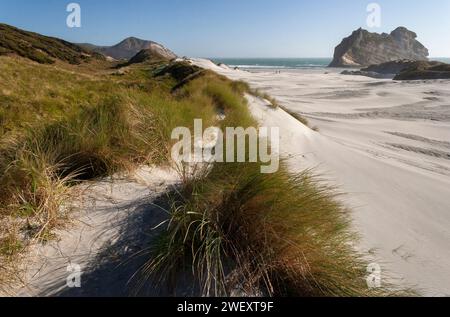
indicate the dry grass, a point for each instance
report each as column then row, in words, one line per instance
column 300, row 118
column 10, row 249
column 273, row 103
column 278, row 234
column 245, row 87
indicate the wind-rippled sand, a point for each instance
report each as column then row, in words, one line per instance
column 386, row 144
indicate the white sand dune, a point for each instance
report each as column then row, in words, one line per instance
column 111, row 230
column 385, row 144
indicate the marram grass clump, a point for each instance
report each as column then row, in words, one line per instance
column 278, row 234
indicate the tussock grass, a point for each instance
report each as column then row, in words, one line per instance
column 179, row 71
column 273, row 102
column 113, row 127
column 233, row 105
column 60, row 128
column 10, row 248
column 245, row 87
column 276, row 234
column 299, row 118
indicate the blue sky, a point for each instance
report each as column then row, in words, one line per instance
column 232, row 28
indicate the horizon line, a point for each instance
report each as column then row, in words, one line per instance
column 431, row 57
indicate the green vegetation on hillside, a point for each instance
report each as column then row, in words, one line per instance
column 41, row 49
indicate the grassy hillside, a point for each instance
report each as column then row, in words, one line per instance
column 42, row 49
column 147, row 56
column 280, row 234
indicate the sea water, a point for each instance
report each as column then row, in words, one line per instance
column 286, row 63
column 274, row 63
column 441, row 59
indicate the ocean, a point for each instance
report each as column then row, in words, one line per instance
column 285, row 63
column 441, row 59
column 274, row 63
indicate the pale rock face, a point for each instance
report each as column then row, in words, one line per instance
column 363, row 48
column 161, row 50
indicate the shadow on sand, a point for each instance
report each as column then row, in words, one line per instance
column 117, row 269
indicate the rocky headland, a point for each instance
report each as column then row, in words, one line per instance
column 363, row 48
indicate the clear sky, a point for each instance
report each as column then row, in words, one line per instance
column 232, row 28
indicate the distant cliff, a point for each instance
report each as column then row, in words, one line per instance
column 129, row 47
column 364, row 48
